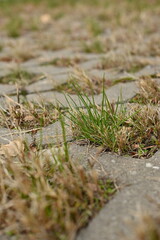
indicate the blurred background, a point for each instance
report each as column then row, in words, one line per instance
column 130, row 27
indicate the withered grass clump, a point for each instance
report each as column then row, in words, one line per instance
column 49, row 197
column 20, row 77
column 27, row 115
column 123, row 61
column 64, row 62
column 87, row 84
column 149, row 91
column 135, row 131
column 148, row 229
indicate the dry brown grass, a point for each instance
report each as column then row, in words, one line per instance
column 18, row 52
column 148, row 228
column 149, row 91
column 123, row 62
column 87, row 84
column 65, row 61
column 47, row 197
column 52, row 42
column 19, row 76
column 27, row 115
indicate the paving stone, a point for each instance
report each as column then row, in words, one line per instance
column 137, row 185
column 7, row 89
column 50, row 55
column 47, row 84
column 47, row 70
column 89, row 64
column 4, row 72
column 7, row 135
column 121, row 91
column 30, row 63
column 117, row 220
column 150, row 60
column 111, row 74
column 51, row 134
column 3, row 100
column 123, row 169
column 147, row 71
column 53, row 97
column 126, row 90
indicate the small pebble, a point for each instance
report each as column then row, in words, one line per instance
column 148, row 165
column 156, row 167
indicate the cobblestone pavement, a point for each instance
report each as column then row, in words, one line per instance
column 40, row 63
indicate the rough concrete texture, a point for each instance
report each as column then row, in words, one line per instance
column 138, row 182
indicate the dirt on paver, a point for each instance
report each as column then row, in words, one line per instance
column 60, row 58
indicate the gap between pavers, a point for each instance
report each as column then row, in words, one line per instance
column 138, row 181
column 124, row 91
column 47, row 84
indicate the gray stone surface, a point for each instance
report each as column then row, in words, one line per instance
column 137, row 184
column 51, row 134
column 119, row 91
column 112, row 74
column 89, row 64
column 117, row 220
column 6, row 89
column 4, row 72
column 47, row 84
column 50, row 70
column 8, row 135
column 148, row 71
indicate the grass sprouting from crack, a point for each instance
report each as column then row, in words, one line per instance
column 14, row 26
column 18, row 76
column 64, row 62
column 135, row 131
column 88, row 84
column 50, row 191
column 95, row 46
column 123, row 62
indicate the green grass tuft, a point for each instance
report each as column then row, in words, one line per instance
column 135, row 131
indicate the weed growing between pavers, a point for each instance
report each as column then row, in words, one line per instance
column 53, row 192
column 64, row 62
column 123, row 62
column 20, row 77
column 134, row 131
column 27, row 115
column 52, row 42
column 1, row 47
column 20, row 51
column 14, row 27
column 95, row 46
column 87, row 84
